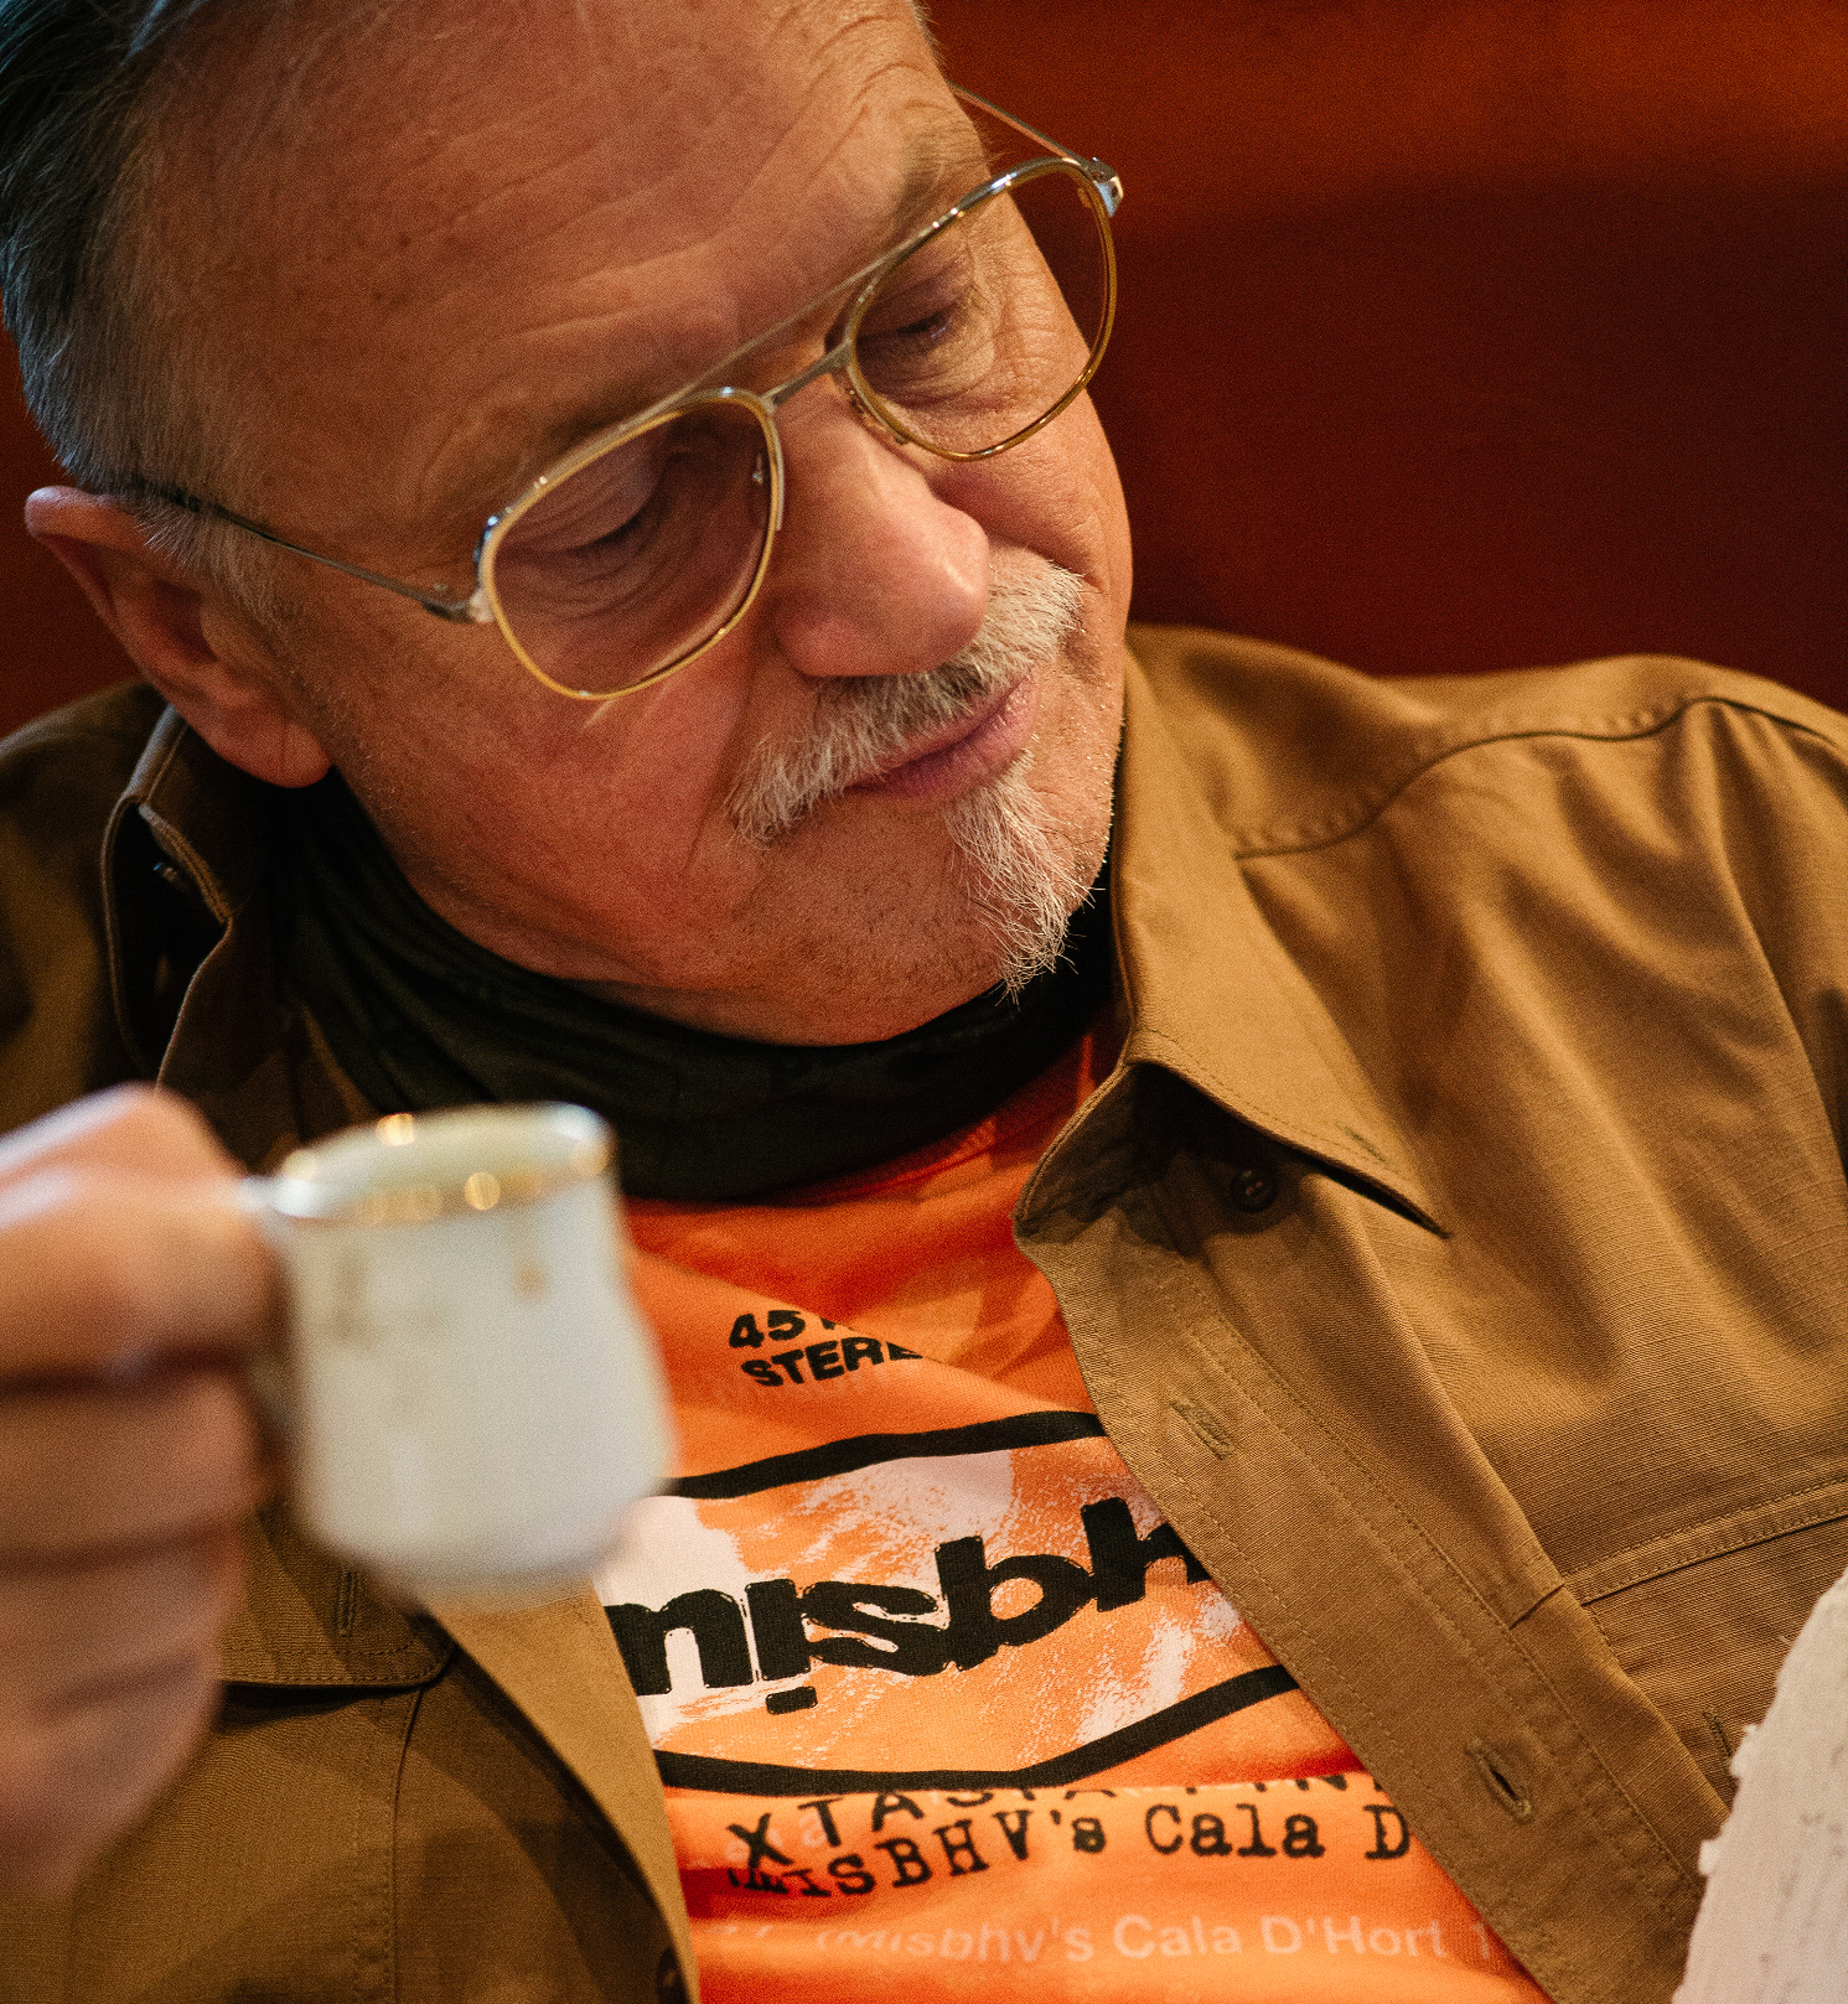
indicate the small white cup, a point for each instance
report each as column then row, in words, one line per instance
column 472, row 1399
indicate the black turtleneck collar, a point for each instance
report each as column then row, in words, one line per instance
column 420, row 1017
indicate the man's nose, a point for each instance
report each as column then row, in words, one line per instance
column 873, row 573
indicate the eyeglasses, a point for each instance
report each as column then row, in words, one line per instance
column 645, row 546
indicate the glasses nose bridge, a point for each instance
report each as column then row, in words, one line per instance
column 837, row 363
column 833, row 363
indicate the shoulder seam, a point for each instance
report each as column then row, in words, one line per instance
column 1359, row 811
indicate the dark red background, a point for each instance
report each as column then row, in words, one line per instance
column 1454, row 336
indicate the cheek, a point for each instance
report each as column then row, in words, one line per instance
column 1058, row 496
column 456, row 751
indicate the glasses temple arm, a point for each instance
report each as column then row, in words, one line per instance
column 1106, row 179
column 471, row 611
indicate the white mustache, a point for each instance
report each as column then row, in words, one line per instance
column 863, row 725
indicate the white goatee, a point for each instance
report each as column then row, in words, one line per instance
column 1019, row 874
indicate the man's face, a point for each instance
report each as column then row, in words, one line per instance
column 471, row 249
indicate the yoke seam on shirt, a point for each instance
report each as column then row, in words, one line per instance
column 1712, row 1539
column 1254, row 845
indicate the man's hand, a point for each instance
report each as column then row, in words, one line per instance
column 131, row 1287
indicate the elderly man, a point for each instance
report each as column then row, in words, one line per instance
column 1334, row 1552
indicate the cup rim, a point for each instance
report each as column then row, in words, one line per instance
column 414, row 1169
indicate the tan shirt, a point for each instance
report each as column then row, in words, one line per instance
column 1514, row 1420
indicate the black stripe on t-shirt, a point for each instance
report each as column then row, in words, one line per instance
column 841, row 1457
column 763, row 1778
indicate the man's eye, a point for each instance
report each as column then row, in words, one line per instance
column 931, row 326
column 598, row 541
column 597, row 513
column 923, row 344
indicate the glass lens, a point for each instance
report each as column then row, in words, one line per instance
column 993, row 322
column 632, row 563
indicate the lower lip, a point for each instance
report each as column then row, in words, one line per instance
column 997, row 739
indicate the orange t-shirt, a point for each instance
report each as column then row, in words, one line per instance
column 940, row 1701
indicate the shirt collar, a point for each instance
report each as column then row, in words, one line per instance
column 1208, row 992
column 191, row 964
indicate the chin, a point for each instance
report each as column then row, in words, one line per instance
column 1012, row 876
column 1021, row 874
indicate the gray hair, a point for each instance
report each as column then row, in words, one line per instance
column 83, row 83
column 85, row 86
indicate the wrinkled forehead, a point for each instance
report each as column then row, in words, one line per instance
column 529, row 219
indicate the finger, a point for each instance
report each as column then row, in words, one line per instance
column 137, row 1128
column 70, row 1635
column 99, row 1271
column 86, row 1471
column 71, row 1781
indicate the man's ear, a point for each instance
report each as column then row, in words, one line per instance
column 186, row 646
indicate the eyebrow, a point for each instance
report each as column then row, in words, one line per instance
column 933, row 161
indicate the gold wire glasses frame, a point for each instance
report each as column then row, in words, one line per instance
column 690, row 427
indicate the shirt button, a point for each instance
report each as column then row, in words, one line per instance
column 668, row 1987
column 1254, row 1188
